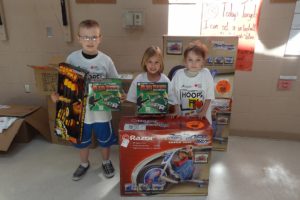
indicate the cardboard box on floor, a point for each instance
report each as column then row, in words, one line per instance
column 31, row 120
column 46, row 79
column 164, row 156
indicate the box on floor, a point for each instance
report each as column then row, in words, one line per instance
column 31, row 120
column 164, row 156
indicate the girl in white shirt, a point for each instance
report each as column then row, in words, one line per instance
column 194, row 86
column 153, row 66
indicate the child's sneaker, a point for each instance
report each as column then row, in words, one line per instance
column 108, row 169
column 80, row 171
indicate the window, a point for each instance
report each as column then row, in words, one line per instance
column 218, row 18
column 184, row 17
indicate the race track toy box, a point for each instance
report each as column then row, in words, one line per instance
column 152, row 98
column 70, row 109
column 104, row 95
column 164, row 156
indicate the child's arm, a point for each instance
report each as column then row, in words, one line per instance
column 54, row 97
column 204, row 108
column 123, row 96
column 131, row 94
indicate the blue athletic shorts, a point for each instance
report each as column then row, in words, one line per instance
column 103, row 133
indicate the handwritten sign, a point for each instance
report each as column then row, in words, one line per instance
column 234, row 18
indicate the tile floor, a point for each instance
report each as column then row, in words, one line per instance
column 251, row 169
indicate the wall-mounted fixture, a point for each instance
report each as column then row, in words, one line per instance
column 3, row 33
column 65, row 20
column 133, row 19
column 285, row 82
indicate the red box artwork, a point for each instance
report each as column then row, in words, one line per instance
column 164, row 156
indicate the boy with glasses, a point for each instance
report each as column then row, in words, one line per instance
column 99, row 66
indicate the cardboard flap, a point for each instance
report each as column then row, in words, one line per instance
column 8, row 135
column 18, row 110
column 39, row 121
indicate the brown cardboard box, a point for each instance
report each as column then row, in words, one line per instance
column 46, row 76
column 127, row 109
column 51, row 109
column 32, row 119
column 45, row 79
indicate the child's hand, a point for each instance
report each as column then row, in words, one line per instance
column 174, row 115
column 54, row 97
column 202, row 114
column 123, row 97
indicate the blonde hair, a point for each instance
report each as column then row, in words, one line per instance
column 89, row 23
column 197, row 47
column 150, row 52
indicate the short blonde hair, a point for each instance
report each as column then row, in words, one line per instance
column 197, row 47
column 89, row 23
column 150, row 52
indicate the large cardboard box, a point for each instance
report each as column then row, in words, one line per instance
column 31, row 120
column 46, row 76
column 164, row 156
column 45, row 79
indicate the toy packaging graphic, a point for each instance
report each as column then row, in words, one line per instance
column 152, row 98
column 70, row 109
column 164, row 156
column 105, row 95
column 221, row 111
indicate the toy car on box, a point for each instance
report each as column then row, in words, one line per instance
column 105, row 95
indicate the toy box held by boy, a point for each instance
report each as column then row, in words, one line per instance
column 152, row 98
column 164, row 156
column 105, row 95
column 70, row 109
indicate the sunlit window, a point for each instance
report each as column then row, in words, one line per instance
column 184, row 17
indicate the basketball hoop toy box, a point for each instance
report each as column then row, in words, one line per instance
column 164, row 156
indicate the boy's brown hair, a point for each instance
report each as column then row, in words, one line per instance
column 88, row 23
column 198, row 48
column 152, row 51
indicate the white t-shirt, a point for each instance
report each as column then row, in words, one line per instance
column 99, row 67
column 131, row 95
column 191, row 92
